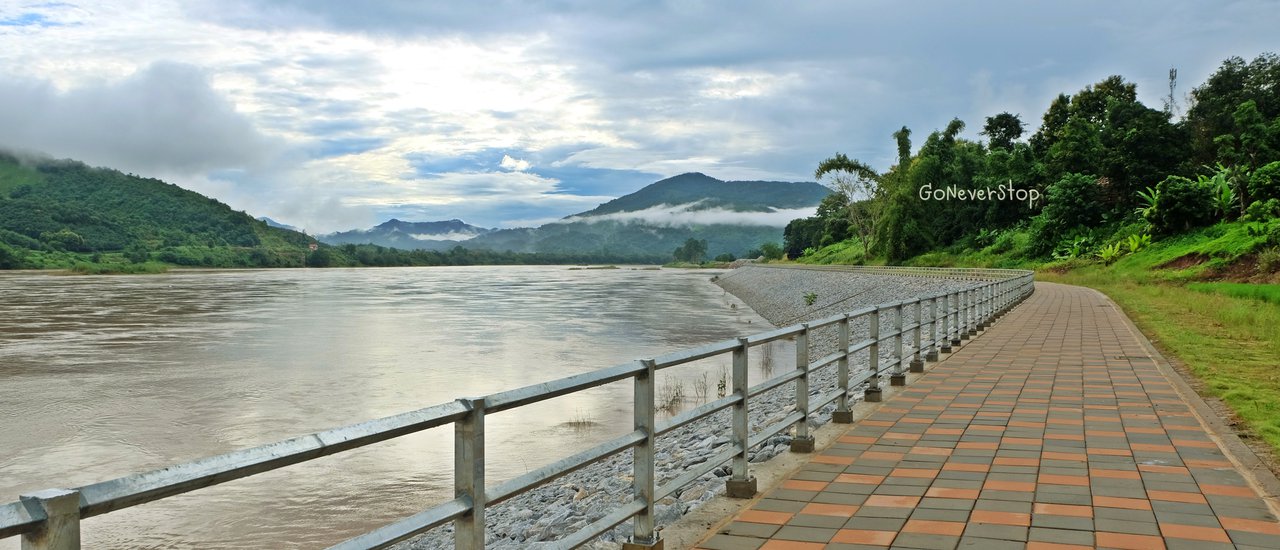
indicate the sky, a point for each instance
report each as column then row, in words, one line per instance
column 331, row 115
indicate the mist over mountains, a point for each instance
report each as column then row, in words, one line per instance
column 732, row 216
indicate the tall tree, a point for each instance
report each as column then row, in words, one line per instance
column 864, row 196
column 1002, row 130
column 1214, row 103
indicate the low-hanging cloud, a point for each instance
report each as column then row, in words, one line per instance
column 680, row 215
column 165, row 118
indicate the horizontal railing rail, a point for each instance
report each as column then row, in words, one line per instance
column 50, row 519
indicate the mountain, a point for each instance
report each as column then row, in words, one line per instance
column 707, row 193
column 277, row 224
column 60, row 213
column 732, row 216
column 442, row 235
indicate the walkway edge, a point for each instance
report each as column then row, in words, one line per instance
column 1245, row 460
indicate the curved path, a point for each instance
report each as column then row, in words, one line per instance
column 1059, row 427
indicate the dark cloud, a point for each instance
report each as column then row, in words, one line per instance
column 164, row 118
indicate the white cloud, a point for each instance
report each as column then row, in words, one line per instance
column 188, row 89
column 517, row 165
column 668, row 215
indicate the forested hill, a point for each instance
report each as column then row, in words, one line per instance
column 63, row 214
column 710, row 193
column 53, row 210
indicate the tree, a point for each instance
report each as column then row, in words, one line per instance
column 1002, row 130
column 1213, row 103
column 692, row 251
column 1072, row 202
column 860, row 187
column 771, row 251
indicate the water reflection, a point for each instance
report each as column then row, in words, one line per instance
column 106, row 376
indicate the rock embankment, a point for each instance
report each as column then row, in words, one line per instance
column 782, row 297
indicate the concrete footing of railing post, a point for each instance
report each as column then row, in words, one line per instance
column 842, row 417
column 917, row 365
column 657, row 544
column 802, row 444
column 932, row 356
column 61, row 529
column 898, row 380
column 873, row 395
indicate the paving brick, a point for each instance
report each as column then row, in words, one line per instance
column 1052, row 430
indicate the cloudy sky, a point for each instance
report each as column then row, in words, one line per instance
column 335, row 114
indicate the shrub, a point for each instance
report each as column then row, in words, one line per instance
column 1262, row 211
column 1109, row 253
column 1073, row 248
column 771, row 251
column 1181, row 205
column 1072, row 202
column 1137, row 242
column 1265, row 182
column 810, row 298
column 1269, row 260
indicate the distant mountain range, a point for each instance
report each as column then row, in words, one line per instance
column 732, row 216
column 442, row 235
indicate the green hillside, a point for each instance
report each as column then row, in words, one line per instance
column 60, row 213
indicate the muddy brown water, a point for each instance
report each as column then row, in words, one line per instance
column 102, row 377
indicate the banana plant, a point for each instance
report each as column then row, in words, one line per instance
column 1137, row 242
column 1109, row 253
column 1149, row 199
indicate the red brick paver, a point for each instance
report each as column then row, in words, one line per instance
column 1053, row 429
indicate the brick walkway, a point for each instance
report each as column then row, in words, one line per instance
column 1053, row 429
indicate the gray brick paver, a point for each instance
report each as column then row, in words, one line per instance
column 1059, row 380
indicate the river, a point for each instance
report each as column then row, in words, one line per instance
column 102, row 377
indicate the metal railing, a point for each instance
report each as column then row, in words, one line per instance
column 50, row 519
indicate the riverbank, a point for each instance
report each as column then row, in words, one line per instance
column 781, row 296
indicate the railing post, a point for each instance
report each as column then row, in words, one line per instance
column 962, row 321
column 61, row 527
column 957, row 308
column 917, row 361
column 981, row 313
column 873, row 393
column 973, row 311
column 932, row 354
column 468, row 475
column 740, row 484
column 643, row 536
column 898, row 378
column 802, row 442
column 946, row 323
column 842, row 414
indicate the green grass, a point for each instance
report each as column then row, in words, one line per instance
column 1264, row 292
